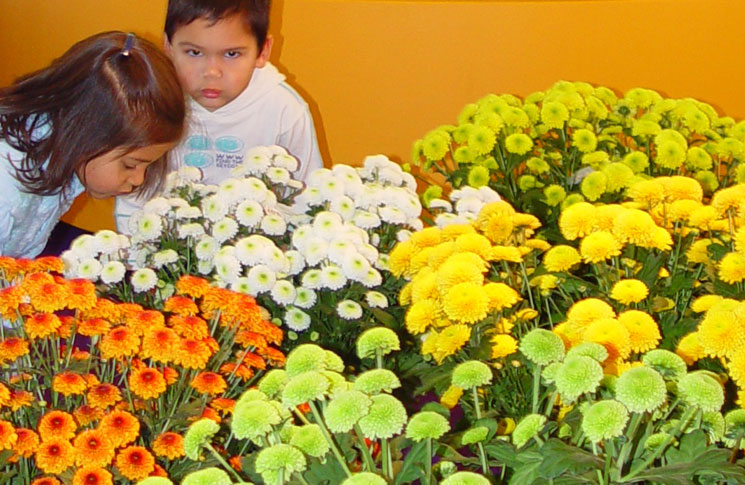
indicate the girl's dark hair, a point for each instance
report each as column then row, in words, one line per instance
column 96, row 98
column 254, row 13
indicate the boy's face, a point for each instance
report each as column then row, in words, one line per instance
column 215, row 62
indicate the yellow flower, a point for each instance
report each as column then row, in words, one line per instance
column 588, row 310
column 736, row 368
column 703, row 217
column 424, row 286
column 605, row 216
column 634, row 226
column 612, row 335
column 419, row 260
column 422, row 315
column 440, row 253
column 450, row 398
column 681, row 210
column 446, row 343
column 721, row 332
column 451, row 232
column 428, row 237
column 698, row 252
column 599, row 246
column 594, row 185
column 577, row 220
column 474, row 243
column 644, row 334
column 503, row 345
column 404, row 296
column 538, row 244
column 629, row 291
column 729, row 198
column 466, row 302
column 461, row 268
column 505, row 253
column 561, row 258
column 500, row 296
column 703, row 303
column 648, row 192
column 400, row 258
column 732, row 268
column 678, row 187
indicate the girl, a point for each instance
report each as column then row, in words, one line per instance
column 100, row 119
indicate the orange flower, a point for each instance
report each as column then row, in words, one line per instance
column 12, row 348
column 135, row 462
column 10, row 300
column 93, row 326
column 236, row 462
column 92, row 475
column 46, row 481
column 27, row 442
column 223, row 405
column 65, row 329
column 103, row 395
column 69, row 383
column 159, row 471
column 181, row 305
column 32, row 281
column 210, row 413
column 247, row 338
column 47, row 264
column 8, row 435
column 190, row 326
column 48, row 297
column 147, row 383
column 244, row 311
column 41, row 325
column 57, row 425
column 170, row 374
column 216, row 299
column 273, row 356
column 86, row 414
column 4, row 395
column 169, row 445
column 8, row 268
column 80, row 355
column 93, row 447
column 82, row 294
column 209, row 383
column 192, row 286
column 240, row 370
column 271, row 332
column 55, row 455
column 144, row 320
column 253, row 360
column 106, row 309
column 121, row 427
column 158, row 344
column 19, row 399
column 126, row 310
column 192, row 354
column 119, row 342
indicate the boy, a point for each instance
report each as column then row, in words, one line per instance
column 237, row 99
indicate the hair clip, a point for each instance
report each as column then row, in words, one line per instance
column 128, row 44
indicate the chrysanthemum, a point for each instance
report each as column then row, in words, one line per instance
column 377, row 339
column 577, row 220
column 303, row 388
column 465, row 478
column 345, row 409
column 702, row 390
column 192, row 286
column 554, row 114
column 54, row 455
column 629, row 291
column 732, row 268
column 594, row 185
column 121, row 427
column 86, row 414
column 466, row 302
column 12, row 348
column 280, row 459
column 502, row 346
column 57, row 425
column 92, row 475
column 668, row 364
column 209, row 383
column 46, row 481
column 41, row 325
column 93, row 447
column 426, row 425
column 102, row 396
column 641, row 389
column 542, row 347
column 604, row 420
column 612, row 335
column 518, row 143
column 588, row 310
column 576, row 376
column 635, row 226
column 26, row 442
column 198, row 435
column 698, row 252
column 147, row 383
column 470, row 374
column 599, row 246
column 561, row 258
column 644, row 334
column 119, row 342
column 385, row 418
column 69, row 383
column 192, row 353
column 721, row 333
column 135, row 462
column 527, row 428
column 169, row 445
column 8, row 435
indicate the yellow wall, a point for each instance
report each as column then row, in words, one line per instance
column 379, row 74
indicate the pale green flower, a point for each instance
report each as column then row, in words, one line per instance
column 549, row 372
column 435, row 145
column 155, row 481
column 554, row 114
column 714, row 425
column 702, row 390
column 604, row 420
column 554, row 194
column 345, row 409
column 641, row 389
column 337, row 382
column 527, row 182
column 465, row 478
column 670, row 365
column 589, row 349
column 198, row 435
column 619, row 176
column 333, row 362
column 527, row 429
column 272, row 382
column 478, row 176
column 655, row 440
column 594, row 185
column 734, row 428
column 542, row 346
column 310, row 440
column 364, row 478
column 474, row 435
column 584, row 140
column 376, row 380
column 281, row 457
column 376, row 339
column 385, row 418
column 518, row 143
column 481, row 140
column 578, row 375
column 636, row 161
column 304, row 358
column 303, row 388
column 427, row 424
column 252, row 419
column 252, row 395
column 472, row 373
column 208, row 476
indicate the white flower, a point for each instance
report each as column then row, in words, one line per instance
column 332, row 277
column 124, row 242
column 107, row 242
column 411, row 206
column 391, row 176
column 277, row 260
column 178, row 203
column 227, row 267
column 366, row 220
column 164, row 257
column 468, row 217
column 319, row 176
column 190, row 174
column 296, row 260
column 213, row 208
column 261, row 278
column 373, row 278
column 355, row 266
column 226, row 250
column 415, row 223
column 315, row 251
column 487, row 194
column 375, row 239
column 286, row 161
column 149, row 227
column 445, row 219
column 409, row 181
column 327, row 225
column 273, row 224
column 353, row 184
column 157, row 205
column 270, row 201
column 311, row 279
column 242, row 285
column 441, row 204
column 283, row 292
column 71, row 262
column 206, row 248
column 253, row 249
column 305, row 297
column 349, row 310
column 143, row 279
column 296, row 319
column 249, row 213
column 205, row 190
column 205, row 266
column 376, row 299
column 376, row 162
column 339, row 248
column 188, row 212
column 369, row 251
column 466, row 191
column 84, row 246
column 278, row 175
column 301, row 236
column 230, row 191
column 469, row 204
column 392, row 215
column 256, row 162
column 113, row 272
column 224, row 229
column 403, row 235
column 344, row 206
column 383, row 262
column 310, row 197
column 276, row 150
column 89, row 269
column 332, row 188
column 193, row 229
column 255, row 189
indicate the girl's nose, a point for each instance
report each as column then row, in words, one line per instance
column 137, row 177
column 213, row 69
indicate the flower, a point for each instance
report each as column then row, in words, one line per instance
column 702, row 390
column 304, row 358
column 57, row 425
column 629, row 291
column 121, row 427
column 254, row 418
column 303, row 388
column 169, row 445
column 576, row 376
column 310, row 440
column 589, row 349
column 451, row 396
column 143, row 280
column 668, row 364
column 206, row 476
column 135, row 462
column 542, row 347
column 604, row 420
column 41, row 325
column 27, row 441
column 385, row 418
column 93, row 448
column 349, row 310
column 376, row 380
column 732, row 268
column 518, row 143
column 345, row 409
column 69, row 383
column 119, row 342
column 427, row 425
column 475, row 435
column 54, row 455
column 197, row 436
column 503, row 345
column 147, row 383
column 641, row 389
column 280, row 457
column 101, row 396
column 561, row 258
column 466, row 302
column 471, row 374
column 527, row 428
column 377, row 339
column 8, row 435
column 364, row 478
column 644, row 334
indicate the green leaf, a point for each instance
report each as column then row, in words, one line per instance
column 413, row 465
column 560, row 458
column 712, row 462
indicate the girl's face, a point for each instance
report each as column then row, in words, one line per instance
column 119, row 171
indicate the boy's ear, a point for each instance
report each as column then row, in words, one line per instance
column 167, row 47
column 266, row 51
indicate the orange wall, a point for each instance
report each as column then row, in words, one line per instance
column 378, row 74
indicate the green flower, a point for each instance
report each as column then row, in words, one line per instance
column 667, row 363
column 572, row 199
column 518, row 143
column 379, row 338
column 197, row 436
column 427, row 424
column 641, row 389
column 714, row 425
column 537, row 165
column 435, row 145
column 337, row 382
column 594, row 185
column 702, row 390
column 281, row 457
column 698, row 159
column 465, row 478
column 305, row 358
column 655, row 440
column 333, row 362
column 345, row 409
column 584, row 140
column 516, row 117
column 595, row 159
column 619, row 176
column 386, row 417
column 578, row 375
column 589, row 349
column 272, row 382
column 309, row 439
column 670, row 135
column 734, row 426
column 549, row 372
column 645, row 128
column 155, row 481
column 467, row 113
column 474, row 435
column 708, row 180
column 478, row 176
column 554, row 114
column 604, row 420
column 375, row 381
column 527, row 428
column 208, row 476
column 472, row 373
column 252, row 395
column 670, row 155
column 431, row 193
column 464, row 155
column 252, row 419
column 554, row 195
column 481, row 140
column 462, row 132
column 637, row 161
column 364, row 478
column 527, row 182
column 542, row 346
column 303, row 388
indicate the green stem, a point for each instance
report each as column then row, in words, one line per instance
column 224, row 463
column 329, row 439
column 601, row 480
column 428, row 463
column 366, row 455
column 482, row 453
column 536, row 386
column 630, row 432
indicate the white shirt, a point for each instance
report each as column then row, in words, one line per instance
column 267, row 112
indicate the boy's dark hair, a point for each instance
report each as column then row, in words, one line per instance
column 254, row 13
column 96, row 98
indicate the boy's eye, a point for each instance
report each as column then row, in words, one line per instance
column 232, row 54
column 193, row 52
